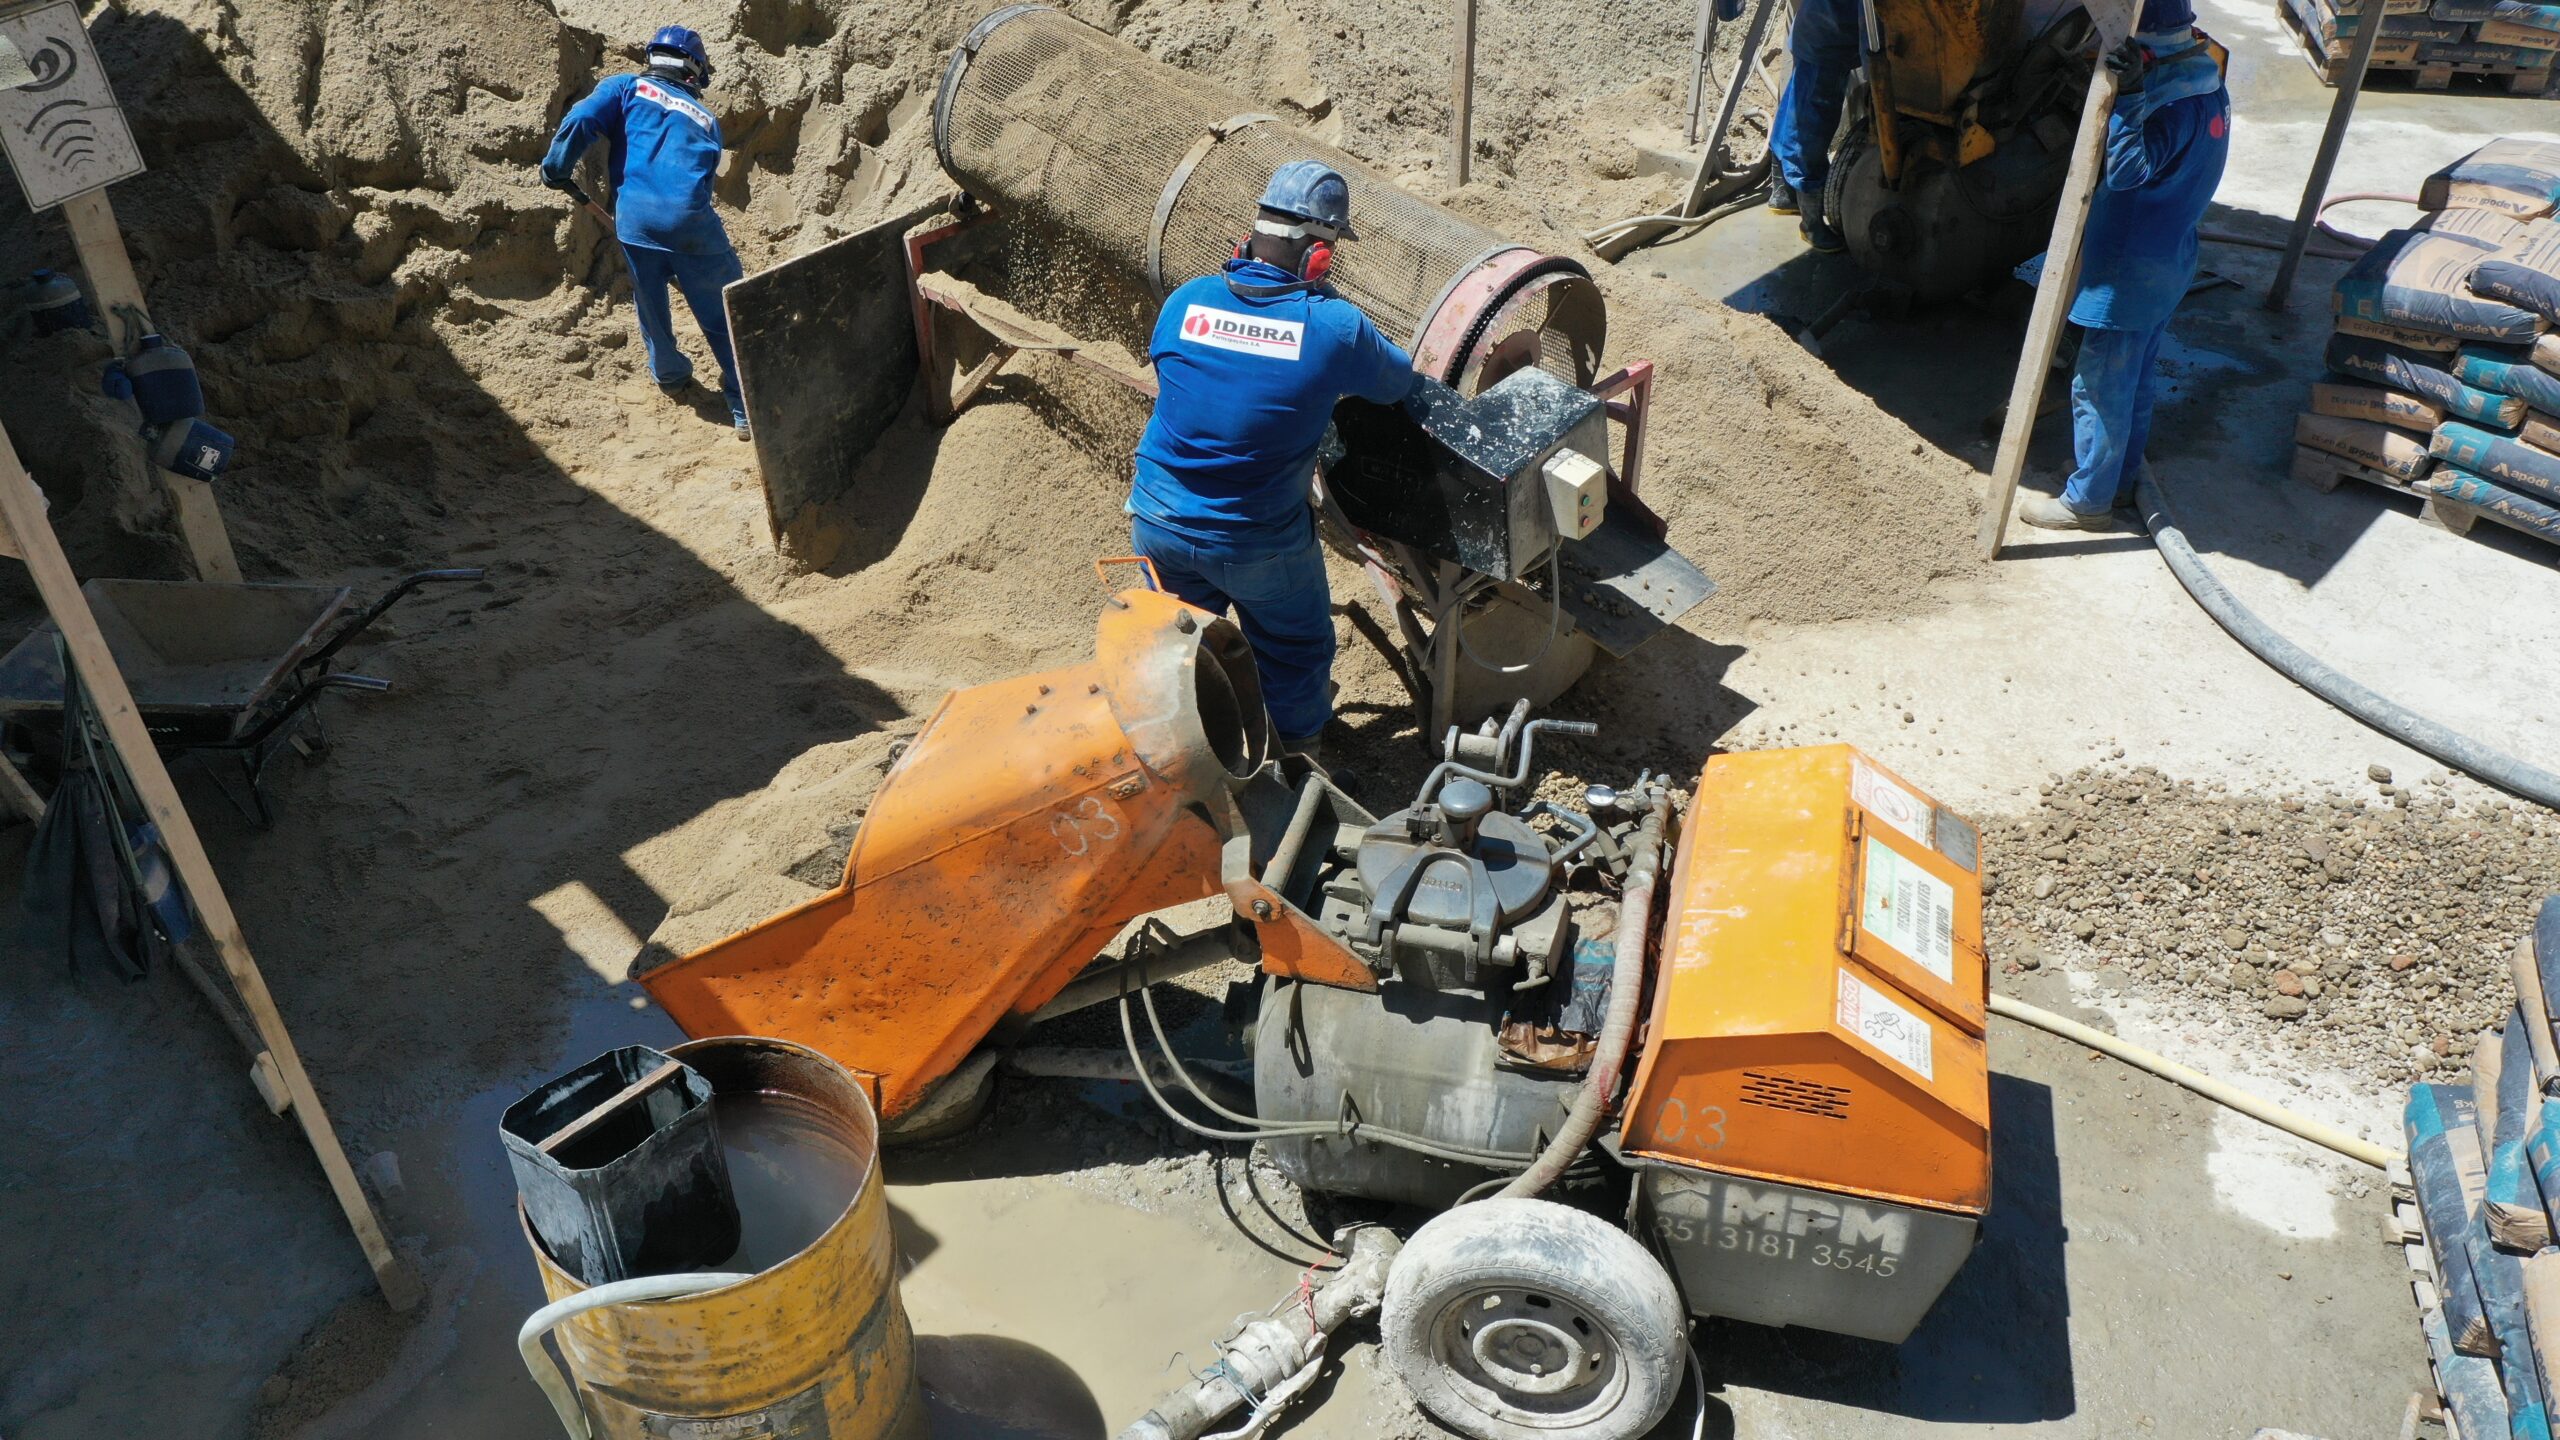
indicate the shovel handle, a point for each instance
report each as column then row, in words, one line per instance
column 577, row 192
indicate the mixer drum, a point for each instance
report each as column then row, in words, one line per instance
column 1156, row 172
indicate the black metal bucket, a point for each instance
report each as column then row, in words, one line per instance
column 620, row 1167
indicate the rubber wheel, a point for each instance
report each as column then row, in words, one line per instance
column 1527, row 1320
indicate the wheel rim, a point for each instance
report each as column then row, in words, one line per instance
column 1529, row 1356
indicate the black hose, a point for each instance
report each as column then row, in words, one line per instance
column 2317, row 676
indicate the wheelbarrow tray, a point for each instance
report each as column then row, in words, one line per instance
column 201, row 658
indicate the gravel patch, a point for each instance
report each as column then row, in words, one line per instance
column 2367, row 933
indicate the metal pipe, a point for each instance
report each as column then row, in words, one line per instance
column 1618, row 1030
column 1110, row 979
column 1462, row 121
column 1270, row 1361
column 2341, row 110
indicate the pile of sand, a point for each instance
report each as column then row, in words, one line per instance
column 429, row 358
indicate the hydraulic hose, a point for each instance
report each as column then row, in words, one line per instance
column 2205, row 1085
column 1618, row 1029
column 564, row 1399
column 2416, row 731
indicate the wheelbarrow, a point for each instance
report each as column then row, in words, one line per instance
column 213, row 667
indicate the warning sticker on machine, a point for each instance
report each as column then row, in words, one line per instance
column 1910, row 909
column 1888, row 801
column 1876, row 1019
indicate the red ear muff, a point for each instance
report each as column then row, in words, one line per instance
column 1318, row 264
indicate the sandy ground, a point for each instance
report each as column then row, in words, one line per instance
column 643, row 719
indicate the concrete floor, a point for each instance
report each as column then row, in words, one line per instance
column 2152, row 1267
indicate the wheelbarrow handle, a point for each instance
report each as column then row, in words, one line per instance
column 390, row 597
column 302, row 698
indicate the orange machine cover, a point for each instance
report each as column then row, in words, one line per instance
column 1818, row 1008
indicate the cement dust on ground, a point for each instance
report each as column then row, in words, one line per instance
column 645, row 726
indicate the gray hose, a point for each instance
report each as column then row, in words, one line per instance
column 1618, row 1027
column 537, row 1362
column 2317, row 676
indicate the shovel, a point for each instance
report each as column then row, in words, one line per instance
column 603, row 216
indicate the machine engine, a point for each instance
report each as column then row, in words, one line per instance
column 1489, row 931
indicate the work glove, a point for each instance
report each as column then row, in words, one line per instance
column 2127, row 62
column 555, row 182
column 1729, row 9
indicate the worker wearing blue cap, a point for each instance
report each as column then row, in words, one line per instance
column 1825, row 48
column 2166, row 142
column 1249, row 365
column 665, row 152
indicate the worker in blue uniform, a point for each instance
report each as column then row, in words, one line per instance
column 1249, row 364
column 2166, row 142
column 1826, row 47
column 665, row 151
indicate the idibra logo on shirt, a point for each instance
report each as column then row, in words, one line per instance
column 678, row 103
column 1244, row 334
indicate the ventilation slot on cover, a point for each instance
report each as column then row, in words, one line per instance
column 1786, row 1092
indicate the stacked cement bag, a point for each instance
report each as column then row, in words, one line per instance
column 2485, row 1162
column 2446, row 357
column 2517, row 39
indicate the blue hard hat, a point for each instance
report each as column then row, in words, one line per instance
column 2159, row 16
column 1311, row 190
column 679, row 41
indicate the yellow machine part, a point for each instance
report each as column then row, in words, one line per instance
column 1938, row 48
column 1027, row 822
column 1819, row 999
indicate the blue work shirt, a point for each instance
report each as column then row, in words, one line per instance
column 2166, row 143
column 665, row 151
column 1829, row 32
column 1245, row 386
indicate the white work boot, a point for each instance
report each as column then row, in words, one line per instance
column 2047, row 512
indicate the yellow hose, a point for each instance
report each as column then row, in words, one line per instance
column 2201, row 1083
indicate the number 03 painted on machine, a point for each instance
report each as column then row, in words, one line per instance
column 1703, row 1131
column 1083, row 823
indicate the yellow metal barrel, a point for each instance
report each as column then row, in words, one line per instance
column 814, row 1344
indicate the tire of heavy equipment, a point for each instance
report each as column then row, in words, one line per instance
column 1528, row 1320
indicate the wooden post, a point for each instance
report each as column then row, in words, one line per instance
column 22, row 508
column 2053, row 305
column 2316, row 189
column 92, row 218
column 1463, row 91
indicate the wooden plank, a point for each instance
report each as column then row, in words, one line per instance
column 2061, row 276
column 2315, row 190
column 22, row 797
column 110, row 270
column 22, row 510
column 596, row 1113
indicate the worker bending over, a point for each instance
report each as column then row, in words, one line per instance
column 1249, row 365
column 1826, row 46
column 2166, row 142
column 665, row 151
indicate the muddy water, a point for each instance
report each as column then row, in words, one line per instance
column 792, row 1176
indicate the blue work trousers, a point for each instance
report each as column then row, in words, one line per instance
column 700, row 278
column 1808, row 116
column 1280, row 595
column 2111, row 415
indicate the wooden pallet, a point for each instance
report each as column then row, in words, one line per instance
column 2323, row 472
column 2402, row 1227
column 2417, row 74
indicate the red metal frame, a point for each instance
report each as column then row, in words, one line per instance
column 1634, row 381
